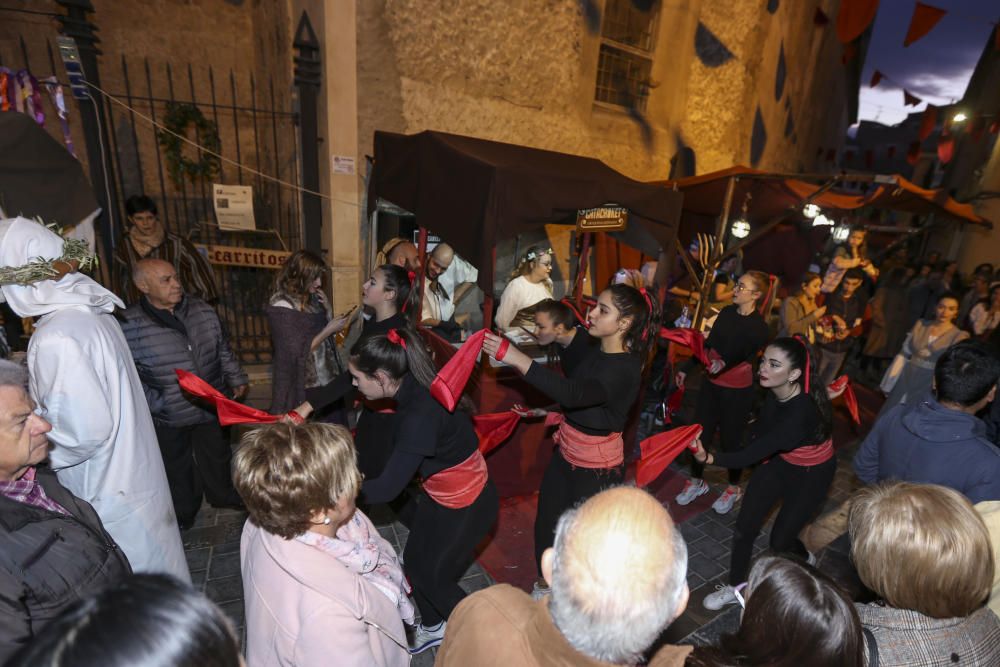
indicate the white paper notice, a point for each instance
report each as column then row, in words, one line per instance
column 343, row 164
column 233, row 206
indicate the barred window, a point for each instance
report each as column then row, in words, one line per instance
column 626, row 57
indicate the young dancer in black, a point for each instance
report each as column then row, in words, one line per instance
column 458, row 505
column 792, row 435
column 726, row 396
column 595, row 398
column 389, row 295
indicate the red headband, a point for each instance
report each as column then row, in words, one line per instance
column 394, row 337
column 649, row 306
column 411, row 276
column 805, row 346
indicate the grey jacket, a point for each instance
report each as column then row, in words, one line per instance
column 192, row 340
column 50, row 560
column 907, row 638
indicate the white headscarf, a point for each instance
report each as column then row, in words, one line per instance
column 23, row 240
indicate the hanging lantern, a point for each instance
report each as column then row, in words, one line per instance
column 741, row 229
column 810, row 211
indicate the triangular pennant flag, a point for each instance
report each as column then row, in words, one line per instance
column 876, row 77
column 493, row 428
column 229, row 411
column 854, row 18
column 924, row 18
column 820, row 18
column 659, row 451
column 688, row 338
column 910, row 100
column 851, row 401
column 927, row 122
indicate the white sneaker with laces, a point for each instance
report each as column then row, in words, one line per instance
column 722, row 596
column 725, row 502
column 427, row 637
column 693, row 488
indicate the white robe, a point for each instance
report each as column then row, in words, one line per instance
column 83, row 378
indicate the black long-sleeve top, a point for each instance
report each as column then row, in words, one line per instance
column 573, row 354
column 780, row 427
column 599, row 392
column 343, row 384
column 426, row 440
column 737, row 338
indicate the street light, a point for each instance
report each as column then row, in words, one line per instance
column 811, row 211
column 740, row 229
column 841, row 232
column 822, row 221
column 959, row 117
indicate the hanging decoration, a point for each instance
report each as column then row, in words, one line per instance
column 854, row 18
column 924, row 18
column 780, row 73
column 709, row 48
column 876, row 77
column 758, row 139
column 772, row 6
column 6, row 82
column 59, row 102
column 909, row 99
column 180, row 116
column 927, row 122
column 29, row 99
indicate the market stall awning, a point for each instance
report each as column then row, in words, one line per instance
column 770, row 194
column 474, row 193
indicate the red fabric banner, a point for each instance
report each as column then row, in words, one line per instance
column 229, row 411
column 927, row 122
column 454, row 375
column 924, row 18
column 946, row 148
column 688, row 338
column 854, row 18
column 877, row 76
column 494, row 428
column 842, row 387
column 659, row 451
column 910, row 100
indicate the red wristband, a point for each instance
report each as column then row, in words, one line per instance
column 502, row 349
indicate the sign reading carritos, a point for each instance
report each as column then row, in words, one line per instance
column 254, row 258
column 607, row 218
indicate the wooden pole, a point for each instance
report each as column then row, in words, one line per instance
column 581, row 271
column 716, row 255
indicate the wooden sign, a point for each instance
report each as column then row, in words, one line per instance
column 607, row 218
column 254, row 258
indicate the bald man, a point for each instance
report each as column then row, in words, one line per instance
column 438, row 304
column 166, row 330
column 405, row 255
column 618, row 572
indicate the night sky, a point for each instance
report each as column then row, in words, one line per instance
column 936, row 68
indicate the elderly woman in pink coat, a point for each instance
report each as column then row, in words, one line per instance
column 321, row 586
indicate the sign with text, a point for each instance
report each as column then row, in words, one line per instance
column 607, row 218
column 254, row 258
column 233, row 206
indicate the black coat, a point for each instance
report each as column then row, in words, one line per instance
column 192, row 340
column 50, row 560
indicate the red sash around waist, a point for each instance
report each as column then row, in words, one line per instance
column 458, row 486
column 587, row 451
column 812, row 455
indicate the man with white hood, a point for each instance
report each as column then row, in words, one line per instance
column 84, row 381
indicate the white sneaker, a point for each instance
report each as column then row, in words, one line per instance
column 425, row 638
column 693, row 488
column 725, row 502
column 722, row 596
column 539, row 591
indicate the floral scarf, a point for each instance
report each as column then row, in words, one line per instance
column 360, row 549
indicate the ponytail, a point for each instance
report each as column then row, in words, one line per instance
column 644, row 311
column 403, row 283
column 802, row 358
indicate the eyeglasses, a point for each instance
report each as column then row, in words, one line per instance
column 740, row 287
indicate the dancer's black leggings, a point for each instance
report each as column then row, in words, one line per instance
column 563, row 486
column 440, row 549
column 801, row 490
column 727, row 410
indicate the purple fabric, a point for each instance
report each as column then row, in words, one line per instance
column 26, row 490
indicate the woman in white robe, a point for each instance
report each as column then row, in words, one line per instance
column 83, row 378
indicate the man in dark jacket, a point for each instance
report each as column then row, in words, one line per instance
column 166, row 330
column 53, row 548
column 941, row 441
column 845, row 313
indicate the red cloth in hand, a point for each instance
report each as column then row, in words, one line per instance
column 659, row 451
column 842, row 386
column 454, row 375
column 494, row 428
column 229, row 411
column 688, row 338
